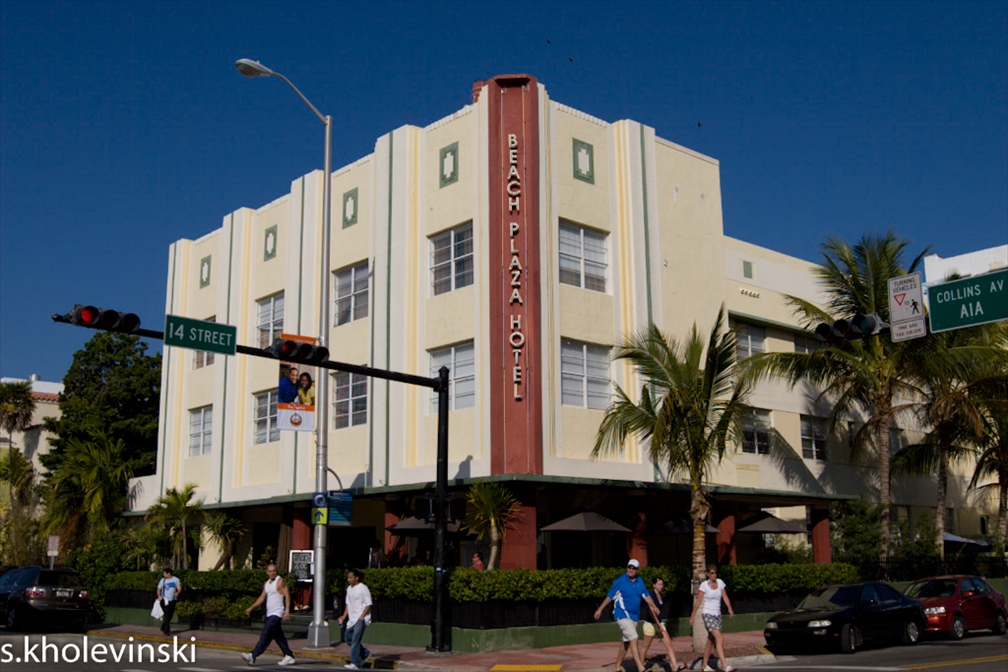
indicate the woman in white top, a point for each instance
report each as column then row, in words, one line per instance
column 709, row 595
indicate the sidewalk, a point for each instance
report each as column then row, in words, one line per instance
column 741, row 649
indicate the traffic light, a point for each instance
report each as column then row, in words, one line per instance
column 848, row 329
column 289, row 350
column 100, row 318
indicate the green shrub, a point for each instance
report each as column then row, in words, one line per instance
column 769, row 579
column 236, row 608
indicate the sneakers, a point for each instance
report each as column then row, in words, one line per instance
column 350, row 666
column 248, row 658
column 288, row 660
column 708, row 668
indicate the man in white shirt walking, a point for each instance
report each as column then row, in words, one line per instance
column 357, row 614
column 276, row 595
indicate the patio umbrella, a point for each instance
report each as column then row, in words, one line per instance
column 684, row 526
column 955, row 538
column 414, row 526
column 585, row 522
column 766, row 523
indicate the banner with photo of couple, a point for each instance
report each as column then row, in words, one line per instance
column 296, row 392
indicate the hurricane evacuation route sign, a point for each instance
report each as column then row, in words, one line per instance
column 970, row 301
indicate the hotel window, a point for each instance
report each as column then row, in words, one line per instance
column 750, row 340
column 452, row 259
column 200, row 430
column 897, row 440
column 200, row 358
column 269, row 319
column 950, row 520
column 806, row 345
column 352, row 293
column 266, row 429
column 350, row 400
column 756, row 432
column 813, row 438
column 584, row 374
column 461, row 363
column 582, row 257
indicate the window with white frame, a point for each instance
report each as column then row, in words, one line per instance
column 269, row 319
column 813, row 437
column 584, row 374
column 756, row 432
column 582, row 257
column 461, row 363
column 352, row 293
column 349, row 399
column 750, row 340
column 200, row 430
column 805, row 345
column 266, row 429
column 451, row 261
column 200, row 358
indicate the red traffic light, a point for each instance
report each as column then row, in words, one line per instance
column 85, row 316
column 302, row 352
column 109, row 320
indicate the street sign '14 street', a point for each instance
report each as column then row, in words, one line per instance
column 970, row 301
column 183, row 332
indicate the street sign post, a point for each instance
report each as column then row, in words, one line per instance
column 979, row 299
column 183, row 332
column 906, row 308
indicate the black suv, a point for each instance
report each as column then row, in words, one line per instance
column 38, row 594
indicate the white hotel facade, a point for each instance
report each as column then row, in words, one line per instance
column 517, row 241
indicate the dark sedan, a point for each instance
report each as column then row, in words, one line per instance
column 846, row 617
column 36, row 594
column 955, row 604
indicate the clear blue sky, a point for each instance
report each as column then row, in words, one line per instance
column 125, row 126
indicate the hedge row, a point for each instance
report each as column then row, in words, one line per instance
column 473, row 585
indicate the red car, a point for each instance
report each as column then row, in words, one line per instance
column 957, row 604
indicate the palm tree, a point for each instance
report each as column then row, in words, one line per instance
column 89, row 489
column 993, row 460
column 491, row 510
column 873, row 376
column 17, row 407
column 17, row 475
column 690, row 407
column 172, row 512
column 225, row 530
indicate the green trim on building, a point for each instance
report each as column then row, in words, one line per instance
column 583, row 175
column 747, row 269
column 350, row 197
column 270, row 243
column 452, row 177
column 204, row 271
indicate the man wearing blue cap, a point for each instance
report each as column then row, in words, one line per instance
column 626, row 594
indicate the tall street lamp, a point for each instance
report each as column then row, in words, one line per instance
column 318, row 631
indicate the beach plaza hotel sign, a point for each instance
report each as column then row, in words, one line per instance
column 515, row 350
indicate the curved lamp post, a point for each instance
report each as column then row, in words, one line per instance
column 318, row 631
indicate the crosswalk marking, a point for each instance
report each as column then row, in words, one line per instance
column 525, row 668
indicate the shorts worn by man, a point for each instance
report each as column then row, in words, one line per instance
column 276, row 595
column 626, row 594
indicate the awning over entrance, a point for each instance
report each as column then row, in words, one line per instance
column 585, row 522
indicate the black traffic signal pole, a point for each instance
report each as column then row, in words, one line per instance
column 439, row 384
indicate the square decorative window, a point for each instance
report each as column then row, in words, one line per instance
column 349, row 399
column 584, row 374
column 756, row 432
column 750, row 340
column 584, row 161
column 350, row 208
column 448, row 159
column 451, row 260
column 201, row 358
column 200, row 430
column 461, row 363
column 582, row 257
column 270, row 243
column 269, row 319
column 266, row 428
column 813, row 438
column 747, row 269
column 352, row 293
column 204, row 272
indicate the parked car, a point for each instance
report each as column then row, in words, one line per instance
column 38, row 594
column 847, row 616
column 955, row 605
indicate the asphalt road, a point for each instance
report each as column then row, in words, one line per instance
column 976, row 653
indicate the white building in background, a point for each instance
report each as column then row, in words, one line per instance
column 516, row 241
column 34, row 442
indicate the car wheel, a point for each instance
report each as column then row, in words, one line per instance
column 999, row 625
column 848, row 639
column 911, row 633
column 958, row 629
